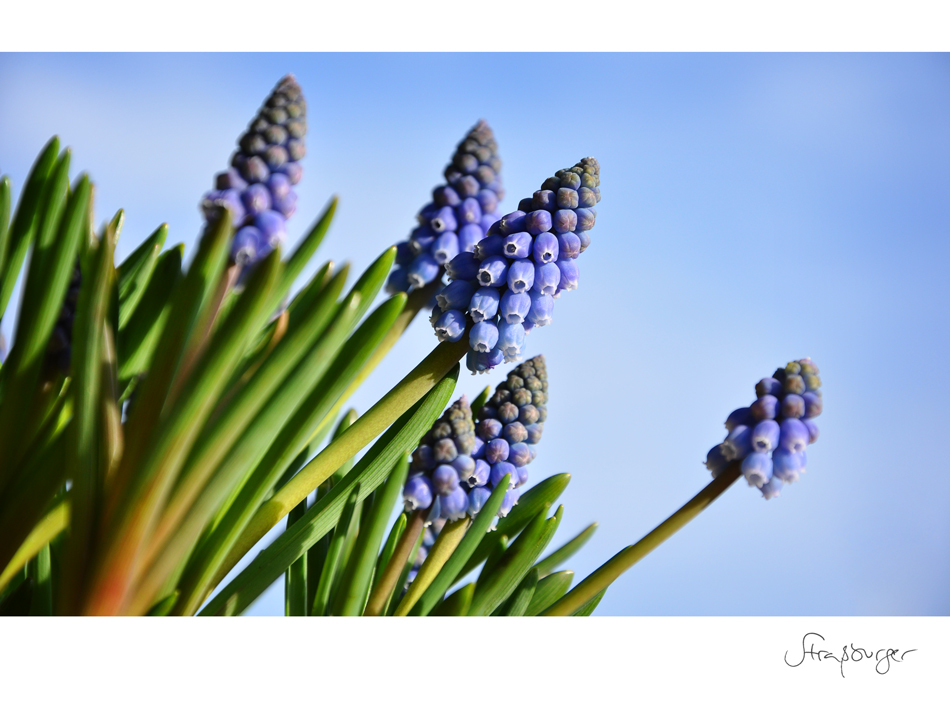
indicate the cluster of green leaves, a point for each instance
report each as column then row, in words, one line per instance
column 191, row 421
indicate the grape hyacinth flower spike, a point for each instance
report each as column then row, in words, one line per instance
column 508, row 285
column 258, row 187
column 457, row 218
column 439, row 464
column 770, row 436
column 508, row 429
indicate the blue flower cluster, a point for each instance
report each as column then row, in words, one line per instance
column 458, row 463
column 508, row 429
column 509, row 283
column 60, row 346
column 258, row 187
column 771, row 435
column 459, row 215
column 443, row 459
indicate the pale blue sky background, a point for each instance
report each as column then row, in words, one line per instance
column 756, row 209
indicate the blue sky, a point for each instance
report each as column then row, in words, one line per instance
column 756, row 209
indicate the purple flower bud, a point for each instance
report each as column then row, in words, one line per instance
column 542, row 309
column 465, row 466
column 424, row 269
column 478, row 449
column 740, row 416
column 272, row 226
column 527, row 414
column 569, row 245
column 445, row 479
column 585, row 219
column 584, row 238
column 445, row 196
column 566, row 198
column 454, row 505
column 484, row 304
column 813, row 404
column 445, row 247
column 230, row 199
column 488, row 220
column 771, row 488
column 738, row 443
column 230, row 179
column 543, row 199
column 493, row 271
column 716, row 461
column 519, row 454
column 511, row 223
column 812, row 430
column 293, row 170
column 444, row 220
column 444, row 450
column 788, row 465
column 499, row 470
column 480, row 362
column 488, row 201
column 484, row 336
column 286, row 205
column 488, row 429
column 794, row 435
column 469, row 211
column 537, row 222
column 248, row 246
column 518, row 245
column 463, row 267
column 255, row 170
column 398, row 281
column 586, row 197
column 417, row 493
column 765, row 407
column 545, row 249
column 515, row 307
column 256, row 199
column 469, row 236
column 768, row 386
column 450, row 326
column 508, row 412
column 522, row 475
column 534, row 433
column 490, row 246
column 477, row 498
column 765, row 436
column 757, row 468
column 456, row 295
column 569, row 274
column 508, row 503
column 521, row 276
column 546, row 278
column 793, row 406
column 514, row 432
column 467, row 186
column 511, row 340
column 564, row 221
column 421, row 239
column 422, row 458
column 496, row 450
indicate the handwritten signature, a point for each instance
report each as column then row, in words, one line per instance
column 883, row 657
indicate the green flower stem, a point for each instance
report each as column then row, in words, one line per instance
column 600, row 579
column 445, row 544
column 387, row 581
column 384, row 413
column 49, row 528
